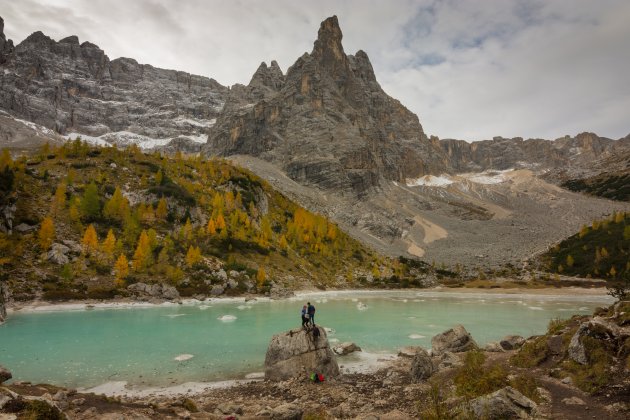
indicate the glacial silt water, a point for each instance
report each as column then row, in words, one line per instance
column 210, row 341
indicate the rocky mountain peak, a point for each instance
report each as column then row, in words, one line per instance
column 6, row 46
column 328, row 48
column 269, row 77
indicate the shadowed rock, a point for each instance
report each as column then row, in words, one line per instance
column 296, row 353
column 455, row 340
column 506, row 403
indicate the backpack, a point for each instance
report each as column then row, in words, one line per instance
column 317, row 377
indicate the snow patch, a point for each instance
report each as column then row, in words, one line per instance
column 487, row 177
column 430, row 181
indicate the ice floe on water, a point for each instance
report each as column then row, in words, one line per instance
column 362, row 306
column 329, row 331
column 204, row 307
column 416, row 336
column 174, row 315
column 333, row 340
column 183, row 357
column 412, row 317
column 241, row 307
column 227, row 318
column 535, row 308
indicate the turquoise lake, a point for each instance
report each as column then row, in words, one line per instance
column 228, row 339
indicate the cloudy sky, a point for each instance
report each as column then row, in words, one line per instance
column 469, row 69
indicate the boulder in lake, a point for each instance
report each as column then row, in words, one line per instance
column 296, row 353
column 422, row 366
column 506, row 403
column 5, row 374
column 455, row 340
column 346, row 348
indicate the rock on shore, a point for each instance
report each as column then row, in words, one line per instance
column 297, row 353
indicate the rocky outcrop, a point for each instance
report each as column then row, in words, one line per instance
column 159, row 291
column 73, row 87
column 346, row 348
column 5, row 374
column 455, row 340
column 327, row 122
column 512, row 342
column 58, row 254
column 3, row 297
column 422, row 366
column 296, row 353
column 506, row 403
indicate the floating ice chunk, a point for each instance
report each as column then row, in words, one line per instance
column 535, row 308
column 227, row 318
column 334, row 340
column 362, row 306
column 174, row 315
column 183, row 357
column 329, row 330
column 204, row 307
column 416, row 336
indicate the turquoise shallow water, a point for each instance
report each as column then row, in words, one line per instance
column 227, row 340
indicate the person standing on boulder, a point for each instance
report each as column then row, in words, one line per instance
column 311, row 313
column 305, row 317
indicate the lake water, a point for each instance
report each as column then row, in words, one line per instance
column 228, row 339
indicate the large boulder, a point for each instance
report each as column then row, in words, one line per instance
column 422, row 367
column 512, row 342
column 297, row 353
column 455, row 340
column 5, row 375
column 156, row 290
column 346, row 348
column 57, row 254
column 506, row 403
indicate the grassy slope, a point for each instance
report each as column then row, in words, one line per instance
column 595, row 251
column 316, row 252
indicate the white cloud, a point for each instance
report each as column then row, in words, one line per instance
column 469, row 69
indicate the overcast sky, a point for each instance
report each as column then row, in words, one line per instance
column 469, row 69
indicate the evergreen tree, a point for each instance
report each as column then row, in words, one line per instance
column 90, row 203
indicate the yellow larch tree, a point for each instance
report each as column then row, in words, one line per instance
column 162, row 209
column 142, row 256
column 211, row 228
column 121, row 270
column 109, row 245
column 193, row 256
column 46, row 233
column 261, row 276
column 117, row 207
column 59, row 199
column 90, row 240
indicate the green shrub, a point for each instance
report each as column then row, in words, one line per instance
column 473, row 379
column 533, row 353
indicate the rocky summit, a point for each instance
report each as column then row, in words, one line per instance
column 73, row 88
column 326, row 123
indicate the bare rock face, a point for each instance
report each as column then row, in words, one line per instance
column 67, row 86
column 506, row 403
column 422, row 366
column 512, row 342
column 455, row 340
column 296, row 353
column 3, row 309
column 327, row 122
column 5, row 374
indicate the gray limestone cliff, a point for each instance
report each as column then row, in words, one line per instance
column 327, row 122
column 73, row 87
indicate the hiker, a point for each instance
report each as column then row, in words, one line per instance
column 311, row 313
column 305, row 317
column 316, row 332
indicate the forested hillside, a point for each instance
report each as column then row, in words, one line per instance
column 88, row 222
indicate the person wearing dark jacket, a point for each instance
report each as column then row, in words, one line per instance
column 311, row 313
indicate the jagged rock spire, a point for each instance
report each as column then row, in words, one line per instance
column 6, row 46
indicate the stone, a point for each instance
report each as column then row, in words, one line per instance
column 295, row 353
column 57, row 254
column 494, row 346
column 506, row 403
column 422, row 366
column 233, row 274
column 576, row 350
column 217, row 290
column 5, row 374
column 567, row 380
column 169, row 292
column 221, row 275
column 286, row 411
column 573, row 401
column 448, row 359
column 555, row 345
column 512, row 342
column 409, row 351
column 24, row 228
column 74, row 246
column 455, row 340
column 346, row 348
column 232, row 284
